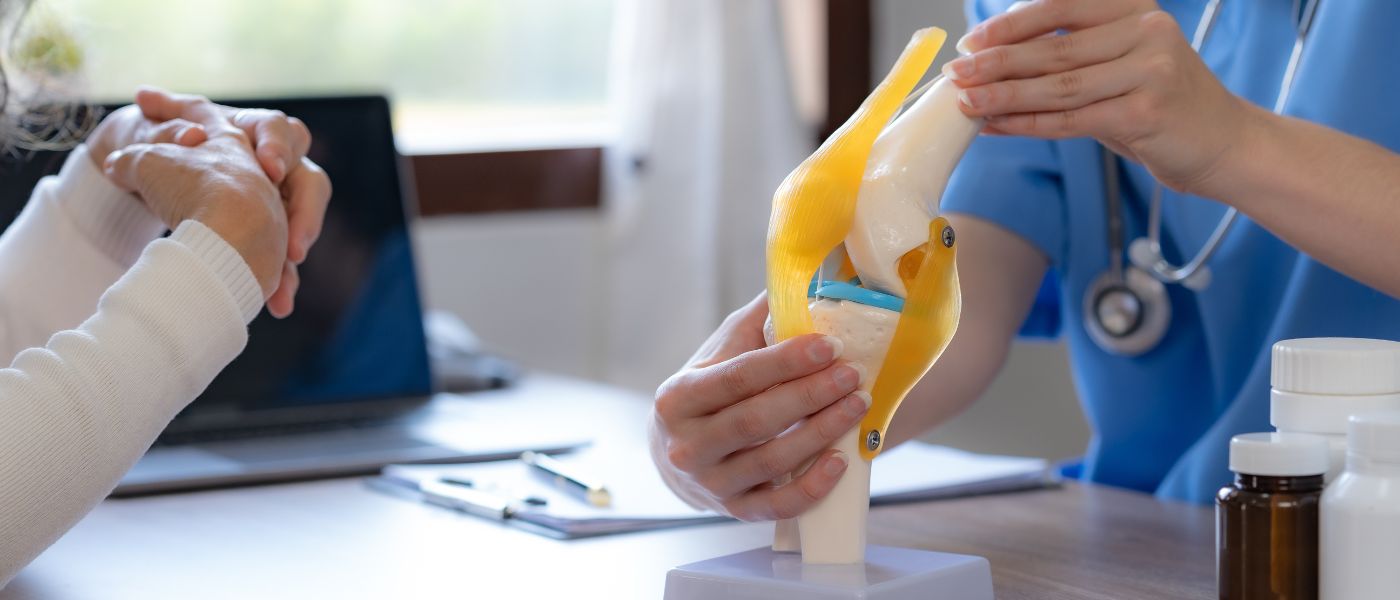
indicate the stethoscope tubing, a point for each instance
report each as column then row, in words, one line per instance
column 1156, row 263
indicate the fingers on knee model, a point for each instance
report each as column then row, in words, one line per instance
column 784, row 425
column 893, row 301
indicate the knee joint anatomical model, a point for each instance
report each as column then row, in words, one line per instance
column 867, row 200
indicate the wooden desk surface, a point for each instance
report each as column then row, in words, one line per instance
column 337, row 539
column 1080, row 541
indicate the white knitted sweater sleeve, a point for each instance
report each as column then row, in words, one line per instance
column 74, row 238
column 76, row 413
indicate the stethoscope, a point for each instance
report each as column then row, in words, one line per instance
column 1126, row 308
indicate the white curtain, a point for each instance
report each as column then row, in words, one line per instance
column 708, row 129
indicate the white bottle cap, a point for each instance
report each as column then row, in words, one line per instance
column 1375, row 436
column 1278, row 454
column 1337, row 366
column 1323, row 413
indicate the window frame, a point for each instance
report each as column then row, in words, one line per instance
column 480, row 182
column 507, row 181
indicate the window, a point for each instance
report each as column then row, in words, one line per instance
column 463, row 74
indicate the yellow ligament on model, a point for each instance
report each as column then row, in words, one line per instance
column 814, row 207
column 926, row 325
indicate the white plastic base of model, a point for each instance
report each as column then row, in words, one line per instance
column 885, row 574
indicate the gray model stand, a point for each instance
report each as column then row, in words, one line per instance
column 888, row 574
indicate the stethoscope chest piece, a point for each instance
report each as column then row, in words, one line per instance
column 1127, row 312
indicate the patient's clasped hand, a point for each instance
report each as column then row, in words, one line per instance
column 866, row 204
column 87, row 392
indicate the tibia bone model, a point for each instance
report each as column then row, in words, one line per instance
column 900, row 306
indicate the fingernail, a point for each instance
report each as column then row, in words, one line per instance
column 280, row 166
column 859, row 369
column 973, row 97
column 964, row 45
column 835, row 464
column 854, row 405
column 111, row 160
column 864, row 398
column 846, row 376
column 824, row 350
column 960, row 68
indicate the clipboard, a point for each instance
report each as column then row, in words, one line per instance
column 506, row 492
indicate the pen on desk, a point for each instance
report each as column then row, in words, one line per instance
column 567, row 479
column 528, row 500
column 455, row 494
column 466, row 499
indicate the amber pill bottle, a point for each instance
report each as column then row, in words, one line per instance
column 1267, row 520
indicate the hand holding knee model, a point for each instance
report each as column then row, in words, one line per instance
column 758, row 433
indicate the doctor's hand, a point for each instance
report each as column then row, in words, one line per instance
column 741, row 415
column 1123, row 73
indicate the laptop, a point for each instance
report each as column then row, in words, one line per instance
column 344, row 385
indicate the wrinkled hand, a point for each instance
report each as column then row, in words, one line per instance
column 159, row 116
column 279, row 144
column 741, row 415
column 1122, row 73
column 127, row 125
column 220, row 184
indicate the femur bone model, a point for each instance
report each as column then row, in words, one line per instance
column 866, row 204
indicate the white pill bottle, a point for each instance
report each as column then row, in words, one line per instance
column 1318, row 383
column 1359, row 558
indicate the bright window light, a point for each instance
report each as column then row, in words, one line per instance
column 462, row 74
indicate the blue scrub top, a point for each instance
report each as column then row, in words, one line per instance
column 1162, row 421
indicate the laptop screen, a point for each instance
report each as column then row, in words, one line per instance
column 355, row 344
